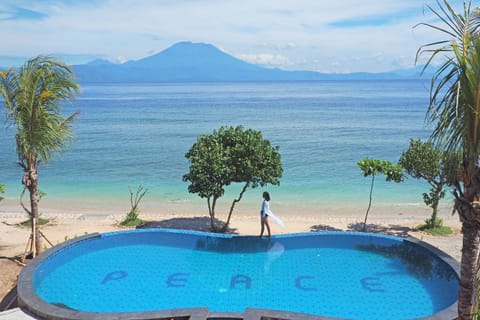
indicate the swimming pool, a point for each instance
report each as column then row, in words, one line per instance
column 145, row 273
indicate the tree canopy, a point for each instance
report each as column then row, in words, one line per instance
column 231, row 155
column 437, row 167
column 373, row 167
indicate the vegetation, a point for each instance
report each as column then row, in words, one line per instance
column 3, row 188
column 423, row 161
column 231, row 155
column 132, row 219
column 32, row 97
column 372, row 167
column 438, row 230
column 28, row 223
column 454, row 109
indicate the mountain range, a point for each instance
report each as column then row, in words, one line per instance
column 201, row 62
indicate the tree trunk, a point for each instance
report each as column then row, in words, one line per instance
column 35, row 217
column 245, row 187
column 211, row 211
column 433, row 218
column 435, row 202
column 468, row 268
column 30, row 180
column 369, row 204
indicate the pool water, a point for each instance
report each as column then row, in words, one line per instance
column 343, row 275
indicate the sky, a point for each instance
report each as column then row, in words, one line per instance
column 340, row 36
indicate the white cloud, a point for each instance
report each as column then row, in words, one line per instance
column 294, row 34
column 266, row 59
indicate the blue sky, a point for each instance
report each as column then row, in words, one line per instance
column 318, row 35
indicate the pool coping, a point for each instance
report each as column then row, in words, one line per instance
column 30, row 301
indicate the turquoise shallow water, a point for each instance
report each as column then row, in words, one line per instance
column 139, row 133
column 352, row 276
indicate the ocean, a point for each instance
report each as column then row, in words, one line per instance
column 131, row 134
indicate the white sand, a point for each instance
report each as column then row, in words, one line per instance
column 399, row 221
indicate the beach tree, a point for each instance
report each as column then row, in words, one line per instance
column 32, row 96
column 373, row 167
column 231, row 155
column 132, row 219
column 454, row 111
column 437, row 167
column 2, row 190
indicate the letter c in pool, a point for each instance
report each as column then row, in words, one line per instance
column 300, row 285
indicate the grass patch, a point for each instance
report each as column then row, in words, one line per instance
column 436, row 231
column 132, row 222
column 28, row 223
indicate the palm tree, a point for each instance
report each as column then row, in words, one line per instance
column 32, row 96
column 455, row 112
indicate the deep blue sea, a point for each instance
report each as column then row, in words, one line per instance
column 130, row 134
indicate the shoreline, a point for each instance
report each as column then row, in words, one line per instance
column 199, row 206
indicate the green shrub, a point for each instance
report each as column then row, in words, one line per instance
column 28, row 223
column 435, row 228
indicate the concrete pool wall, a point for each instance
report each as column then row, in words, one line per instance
column 32, row 303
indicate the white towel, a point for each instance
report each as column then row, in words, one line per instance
column 276, row 219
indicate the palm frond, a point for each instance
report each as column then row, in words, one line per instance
column 33, row 95
column 453, row 106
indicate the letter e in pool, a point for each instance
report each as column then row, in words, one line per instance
column 177, row 280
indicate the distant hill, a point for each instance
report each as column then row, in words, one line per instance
column 200, row 62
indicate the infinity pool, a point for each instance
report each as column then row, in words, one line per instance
column 332, row 274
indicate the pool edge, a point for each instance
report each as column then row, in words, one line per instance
column 30, row 301
column 450, row 312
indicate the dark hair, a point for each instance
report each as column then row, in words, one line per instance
column 266, row 196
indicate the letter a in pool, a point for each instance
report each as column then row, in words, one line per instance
column 242, row 279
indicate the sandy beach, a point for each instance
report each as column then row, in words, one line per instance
column 401, row 221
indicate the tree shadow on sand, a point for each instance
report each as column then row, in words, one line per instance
column 194, row 223
column 391, row 229
column 323, row 227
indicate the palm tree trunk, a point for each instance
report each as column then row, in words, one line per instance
column 468, row 267
column 37, row 238
column 30, row 180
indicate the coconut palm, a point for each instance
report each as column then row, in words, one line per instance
column 32, row 97
column 455, row 112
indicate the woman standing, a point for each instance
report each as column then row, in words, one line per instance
column 264, row 213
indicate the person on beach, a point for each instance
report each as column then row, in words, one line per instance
column 264, row 212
